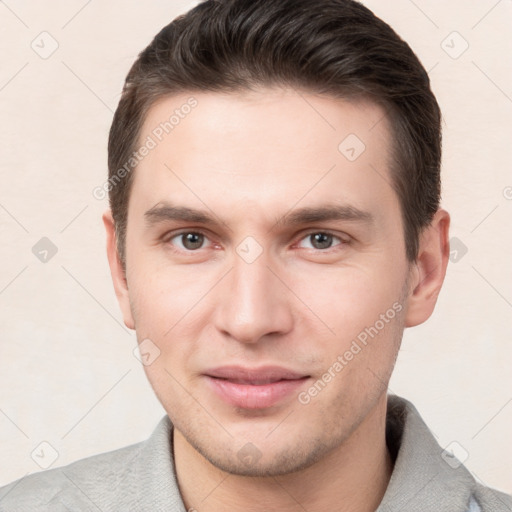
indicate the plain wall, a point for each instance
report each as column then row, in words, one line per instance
column 68, row 375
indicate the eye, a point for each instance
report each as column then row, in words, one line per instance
column 188, row 241
column 320, row 241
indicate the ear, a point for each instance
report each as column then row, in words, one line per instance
column 429, row 269
column 117, row 271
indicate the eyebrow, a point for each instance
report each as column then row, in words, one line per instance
column 165, row 211
column 330, row 212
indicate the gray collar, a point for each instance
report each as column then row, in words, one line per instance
column 142, row 477
column 424, row 479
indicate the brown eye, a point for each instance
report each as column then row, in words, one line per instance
column 192, row 240
column 320, row 241
column 188, row 241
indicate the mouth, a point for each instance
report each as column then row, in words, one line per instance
column 254, row 388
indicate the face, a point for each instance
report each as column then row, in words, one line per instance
column 266, row 273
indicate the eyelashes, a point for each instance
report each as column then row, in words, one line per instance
column 191, row 241
column 325, row 238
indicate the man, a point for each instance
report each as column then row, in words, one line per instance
column 274, row 181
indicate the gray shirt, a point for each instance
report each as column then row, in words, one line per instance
column 142, row 478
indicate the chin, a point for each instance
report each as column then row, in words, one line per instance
column 250, row 461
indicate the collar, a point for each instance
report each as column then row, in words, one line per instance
column 422, row 479
column 425, row 477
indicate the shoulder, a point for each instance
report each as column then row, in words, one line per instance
column 426, row 476
column 491, row 500
column 136, row 477
column 77, row 482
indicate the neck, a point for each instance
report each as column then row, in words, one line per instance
column 353, row 477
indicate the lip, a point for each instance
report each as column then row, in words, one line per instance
column 254, row 388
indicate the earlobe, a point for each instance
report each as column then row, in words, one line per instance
column 117, row 271
column 429, row 269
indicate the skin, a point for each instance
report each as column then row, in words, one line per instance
column 250, row 160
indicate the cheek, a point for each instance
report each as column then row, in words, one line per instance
column 166, row 312
column 349, row 299
column 161, row 296
column 363, row 308
column 171, row 309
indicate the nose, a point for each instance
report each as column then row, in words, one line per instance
column 253, row 303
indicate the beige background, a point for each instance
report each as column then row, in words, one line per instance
column 68, row 376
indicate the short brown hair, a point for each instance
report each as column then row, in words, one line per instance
column 334, row 47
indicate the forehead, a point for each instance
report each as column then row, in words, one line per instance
column 269, row 148
column 259, row 112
